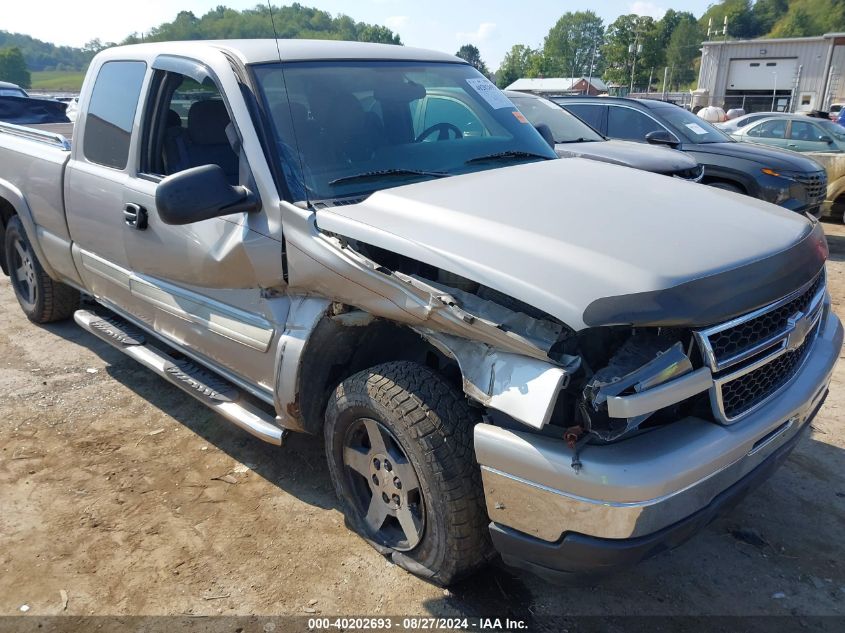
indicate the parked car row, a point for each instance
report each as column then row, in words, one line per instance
column 781, row 177
column 570, row 363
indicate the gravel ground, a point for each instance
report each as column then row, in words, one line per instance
column 126, row 497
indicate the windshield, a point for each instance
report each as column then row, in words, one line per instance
column 12, row 92
column 565, row 127
column 690, row 127
column 347, row 129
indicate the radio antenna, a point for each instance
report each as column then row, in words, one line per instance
column 290, row 112
column 275, row 32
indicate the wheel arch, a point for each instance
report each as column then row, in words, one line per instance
column 13, row 203
column 341, row 345
column 734, row 182
column 836, row 189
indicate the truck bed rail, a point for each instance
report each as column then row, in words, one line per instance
column 33, row 134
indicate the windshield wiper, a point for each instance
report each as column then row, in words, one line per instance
column 578, row 140
column 507, row 155
column 375, row 175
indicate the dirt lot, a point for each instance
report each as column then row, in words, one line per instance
column 131, row 498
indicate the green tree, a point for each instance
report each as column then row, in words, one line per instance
column 683, row 50
column 573, row 43
column 741, row 22
column 472, row 55
column 520, row 61
column 629, row 38
column 667, row 25
column 797, row 24
column 291, row 21
column 13, row 67
column 766, row 13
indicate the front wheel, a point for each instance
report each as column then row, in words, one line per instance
column 42, row 299
column 399, row 447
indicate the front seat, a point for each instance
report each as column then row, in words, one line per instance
column 207, row 142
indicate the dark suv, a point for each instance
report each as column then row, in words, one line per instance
column 778, row 176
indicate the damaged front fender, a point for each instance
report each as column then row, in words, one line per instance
column 502, row 354
column 525, row 389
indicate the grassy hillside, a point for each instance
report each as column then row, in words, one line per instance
column 69, row 80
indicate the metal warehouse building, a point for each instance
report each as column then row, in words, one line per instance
column 788, row 75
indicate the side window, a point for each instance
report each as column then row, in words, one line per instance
column 450, row 112
column 589, row 114
column 775, row 128
column 111, row 111
column 192, row 127
column 803, row 131
column 629, row 124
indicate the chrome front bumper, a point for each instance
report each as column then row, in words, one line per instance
column 641, row 485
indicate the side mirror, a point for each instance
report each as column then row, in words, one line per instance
column 826, row 139
column 661, row 137
column 201, row 193
column 546, row 132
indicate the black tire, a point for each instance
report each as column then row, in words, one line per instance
column 42, row 299
column 726, row 186
column 423, row 420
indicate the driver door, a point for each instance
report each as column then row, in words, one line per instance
column 205, row 285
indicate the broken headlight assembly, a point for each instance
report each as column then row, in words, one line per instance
column 632, row 378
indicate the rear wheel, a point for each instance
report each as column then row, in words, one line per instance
column 41, row 298
column 399, row 446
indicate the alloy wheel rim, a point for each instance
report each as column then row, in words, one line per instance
column 23, row 272
column 385, row 488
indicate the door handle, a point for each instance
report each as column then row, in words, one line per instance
column 135, row 216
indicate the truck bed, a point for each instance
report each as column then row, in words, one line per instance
column 33, row 160
column 65, row 129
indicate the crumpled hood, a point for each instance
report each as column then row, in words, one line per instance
column 660, row 160
column 592, row 243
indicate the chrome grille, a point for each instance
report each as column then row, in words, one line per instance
column 816, row 185
column 754, row 356
column 749, row 390
column 758, row 331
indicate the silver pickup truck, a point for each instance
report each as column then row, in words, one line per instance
column 360, row 241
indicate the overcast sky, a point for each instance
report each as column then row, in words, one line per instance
column 492, row 25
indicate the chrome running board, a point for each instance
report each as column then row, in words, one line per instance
column 204, row 385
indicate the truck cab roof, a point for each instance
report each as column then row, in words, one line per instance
column 259, row 51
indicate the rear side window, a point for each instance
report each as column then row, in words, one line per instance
column 769, row 129
column 111, row 111
column 589, row 114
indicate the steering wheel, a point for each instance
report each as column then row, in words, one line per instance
column 444, row 128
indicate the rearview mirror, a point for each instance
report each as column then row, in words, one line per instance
column 661, row 137
column 201, row 193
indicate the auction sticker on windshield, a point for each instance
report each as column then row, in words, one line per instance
column 490, row 93
column 695, row 127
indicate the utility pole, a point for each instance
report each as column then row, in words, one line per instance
column 592, row 66
column 636, row 48
column 774, row 89
column 665, row 75
column 650, row 76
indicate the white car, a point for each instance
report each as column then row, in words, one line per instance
column 729, row 127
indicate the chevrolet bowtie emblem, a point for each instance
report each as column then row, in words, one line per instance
column 800, row 325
